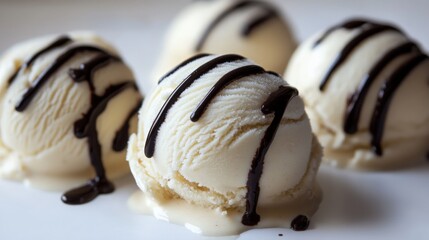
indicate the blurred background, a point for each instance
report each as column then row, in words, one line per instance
column 137, row 27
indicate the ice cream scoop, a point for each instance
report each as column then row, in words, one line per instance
column 365, row 85
column 254, row 29
column 224, row 145
column 67, row 107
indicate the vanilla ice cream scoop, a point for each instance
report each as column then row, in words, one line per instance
column 224, row 145
column 254, row 29
column 67, row 107
column 365, row 86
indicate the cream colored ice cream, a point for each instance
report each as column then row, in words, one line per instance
column 200, row 171
column 66, row 113
column 254, row 29
column 365, row 86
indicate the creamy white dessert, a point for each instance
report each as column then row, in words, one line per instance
column 224, row 146
column 67, row 106
column 254, row 29
column 365, row 86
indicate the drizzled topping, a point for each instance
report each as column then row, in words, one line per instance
column 268, row 13
column 121, row 137
column 85, row 127
column 275, row 104
column 60, row 42
column 369, row 29
column 355, row 105
column 31, row 92
column 221, row 84
column 385, row 96
column 195, row 75
column 192, row 59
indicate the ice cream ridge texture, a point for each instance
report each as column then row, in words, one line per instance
column 365, row 86
column 254, row 29
column 223, row 146
column 67, row 106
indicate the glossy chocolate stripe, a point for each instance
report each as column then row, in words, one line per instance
column 356, row 103
column 194, row 58
column 227, row 12
column 276, row 104
column 258, row 21
column 385, row 97
column 121, row 137
column 47, row 73
column 221, row 84
column 159, row 120
column 61, row 41
column 350, row 24
column 87, row 128
column 86, row 70
column 351, row 46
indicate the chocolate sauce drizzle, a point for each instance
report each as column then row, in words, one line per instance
column 184, row 63
column 160, row 118
column 369, row 30
column 247, row 29
column 45, row 76
column 355, row 105
column 276, row 104
column 221, row 84
column 121, row 137
column 273, row 73
column 385, row 95
column 60, row 42
column 258, row 21
column 85, row 73
column 85, row 127
column 349, row 25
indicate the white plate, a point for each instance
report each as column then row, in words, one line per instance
column 357, row 205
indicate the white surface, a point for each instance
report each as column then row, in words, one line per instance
column 389, row 205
